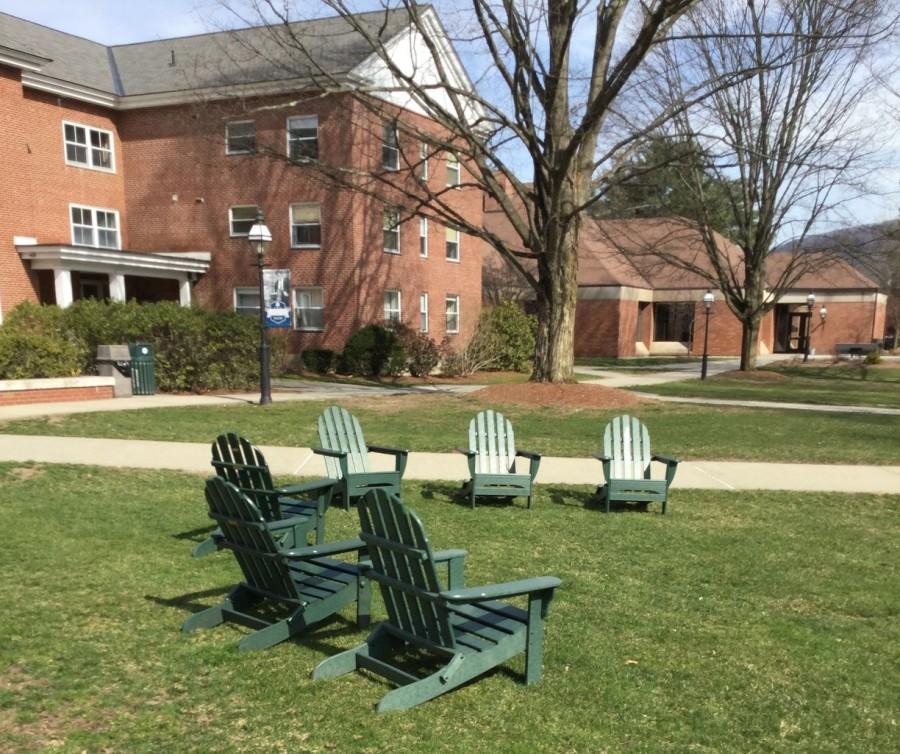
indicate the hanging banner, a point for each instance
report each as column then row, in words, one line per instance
column 277, row 289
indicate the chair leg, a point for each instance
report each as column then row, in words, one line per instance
column 534, row 638
column 363, row 602
column 266, row 637
column 207, row 547
column 379, row 642
column 208, row 618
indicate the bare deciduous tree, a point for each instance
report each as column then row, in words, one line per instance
column 786, row 143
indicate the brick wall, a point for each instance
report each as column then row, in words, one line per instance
column 597, row 328
column 724, row 330
column 51, row 395
column 36, row 185
column 847, row 322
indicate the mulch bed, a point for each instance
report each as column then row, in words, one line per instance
column 569, row 395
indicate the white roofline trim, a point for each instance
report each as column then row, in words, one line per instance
column 20, row 59
column 126, row 262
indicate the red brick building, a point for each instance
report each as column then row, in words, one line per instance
column 135, row 171
column 632, row 302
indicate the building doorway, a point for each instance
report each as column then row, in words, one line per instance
column 791, row 328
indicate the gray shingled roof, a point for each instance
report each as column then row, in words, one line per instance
column 244, row 56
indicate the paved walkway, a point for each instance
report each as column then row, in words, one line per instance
column 830, row 408
column 194, row 458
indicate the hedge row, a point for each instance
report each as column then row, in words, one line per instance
column 196, row 350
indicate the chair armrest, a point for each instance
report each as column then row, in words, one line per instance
column 671, row 467
column 291, row 490
column 665, row 459
column 529, row 454
column 455, row 560
column 400, row 455
column 286, row 523
column 600, row 457
column 465, row 452
column 331, row 548
column 534, row 462
column 499, row 591
column 330, row 453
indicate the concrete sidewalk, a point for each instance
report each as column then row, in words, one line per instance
column 826, row 407
column 194, row 458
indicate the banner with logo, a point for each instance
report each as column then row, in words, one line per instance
column 277, row 290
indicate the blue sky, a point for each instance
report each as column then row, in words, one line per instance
column 123, row 21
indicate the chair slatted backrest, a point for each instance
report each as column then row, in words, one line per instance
column 240, row 462
column 627, row 442
column 340, row 430
column 244, row 532
column 492, row 439
column 403, row 565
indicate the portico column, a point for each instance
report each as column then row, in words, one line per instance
column 184, row 291
column 117, row 286
column 62, row 284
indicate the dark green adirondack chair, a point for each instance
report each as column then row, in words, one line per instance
column 465, row 630
column 308, row 584
column 492, row 460
column 347, row 457
column 293, row 511
column 626, row 460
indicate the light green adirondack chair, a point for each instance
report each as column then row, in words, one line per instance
column 347, row 457
column 464, row 629
column 307, row 583
column 626, row 462
column 492, row 460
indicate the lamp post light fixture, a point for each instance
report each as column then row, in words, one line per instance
column 810, row 303
column 259, row 237
column 708, row 299
column 823, row 312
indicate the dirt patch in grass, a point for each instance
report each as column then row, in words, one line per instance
column 752, row 375
column 569, row 395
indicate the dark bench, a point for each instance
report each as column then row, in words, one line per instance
column 854, row 350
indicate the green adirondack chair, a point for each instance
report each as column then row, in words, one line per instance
column 626, row 460
column 492, row 460
column 290, row 511
column 308, row 584
column 347, row 457
column 464, row 629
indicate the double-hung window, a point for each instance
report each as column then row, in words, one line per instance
column 390, row 147
column 241, row 219
column 423, row 236
column 89, row 147
column 391, row 225
column 391, row 306
column 95, row 227
column 423, row 161
column 303, row 137
column 309, row 309
column 246, row 301
column 452, row 313
column 306, row 226
column 452, row 247
column 240, row 137
column 423, row 312
column 453, row 170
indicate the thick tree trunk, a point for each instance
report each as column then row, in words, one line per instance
column 554, row 357
column 750, row 342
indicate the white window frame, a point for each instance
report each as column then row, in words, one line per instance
column 321, row 308
column 231, row 209
column 448, row 229
column 423, row 237
column 95, row 228
column 396, row 212
column 454, row 157
column 89, row 165
column 245, row 310
column 385, row 125
column 228, row 150
column 291, row 225
column 388, row 319
column 451, row 297
column 288, row 139
column 423, row 161
column 423, row 312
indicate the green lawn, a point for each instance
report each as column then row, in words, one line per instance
column 613, row 362
column 438, row 423
column 835, row 385
column 763, row 622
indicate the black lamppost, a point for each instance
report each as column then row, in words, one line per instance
column 810, row 303
column 708, row 299
column 258, row 237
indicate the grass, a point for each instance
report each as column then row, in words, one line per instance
column 636, row 362
column 685, row 431
column 763, row 622
column 848, row 385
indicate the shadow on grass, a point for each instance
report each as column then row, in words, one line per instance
column 188, row 601
column 197, row 535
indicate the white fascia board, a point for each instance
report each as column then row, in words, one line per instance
column 22, row 60
column 109, row 260
column 66, row 89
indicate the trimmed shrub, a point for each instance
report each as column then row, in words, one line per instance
column 26, row 355
column 511, row 334
column 422, row 353
column 372, row 351
column 318, row 360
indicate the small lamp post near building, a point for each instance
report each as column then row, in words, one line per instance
column 259, row 237
column 708, row 299
column 810, row 303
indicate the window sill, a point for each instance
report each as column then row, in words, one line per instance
column 455, row 261
column 300, row 247
column 391, row 251
column 243, row 151
column 83, row 166
column 309, row 329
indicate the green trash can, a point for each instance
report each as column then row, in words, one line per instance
column 143, row 369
